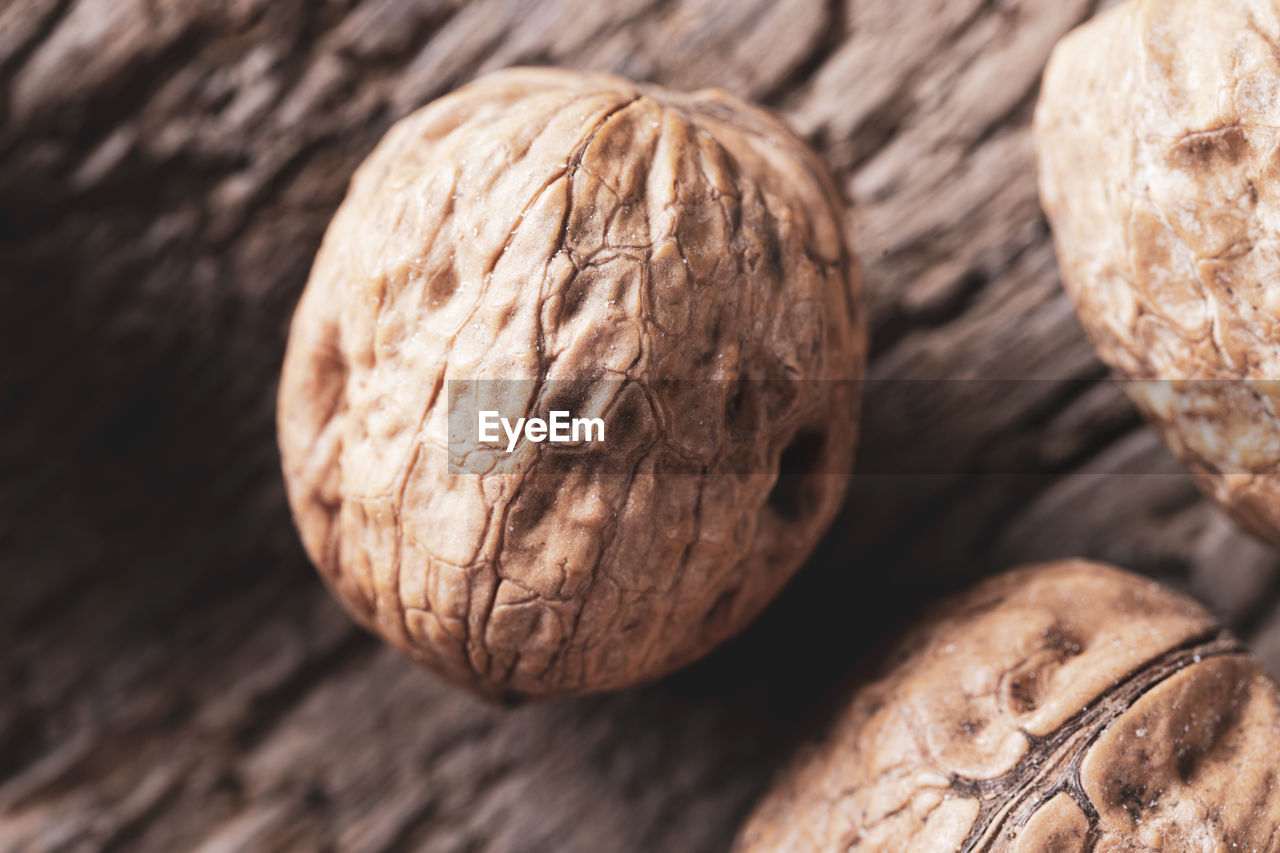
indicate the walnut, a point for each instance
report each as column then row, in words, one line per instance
column 543, row 225
column 1062, row 707
column 1157, row 132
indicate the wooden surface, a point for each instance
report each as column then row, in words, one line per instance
column 173, row 674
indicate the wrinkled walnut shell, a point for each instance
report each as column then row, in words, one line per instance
column 1065, row 707
column 1158, row 132
column 544, row 225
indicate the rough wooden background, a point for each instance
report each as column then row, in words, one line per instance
column 173, row 674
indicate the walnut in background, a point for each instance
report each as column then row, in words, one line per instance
column 1062, row 707
column 1158, row 132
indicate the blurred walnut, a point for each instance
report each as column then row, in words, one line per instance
column 1065, row 707
column 1158, row 132
column 542, row 225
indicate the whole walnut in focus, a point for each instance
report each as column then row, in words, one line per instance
column 1063, row 707
column 543, row 225
column 1158, row 130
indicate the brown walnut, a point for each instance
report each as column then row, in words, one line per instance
column 1062, row 707
column 1158, row 131
column 542, row 225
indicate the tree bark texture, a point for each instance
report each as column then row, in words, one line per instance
column 173, row 675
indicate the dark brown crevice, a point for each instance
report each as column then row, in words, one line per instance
column 130, row 834
column 800, row 461
column 887, row 120
column 1257, row 613
column 274, row 706
column 10, row 65
column 1018, row 115
column 896, row 327
column 827, row 45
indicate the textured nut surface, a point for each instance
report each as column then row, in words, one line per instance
column 543, row 225
column 1062, row 707
column 1158, row 132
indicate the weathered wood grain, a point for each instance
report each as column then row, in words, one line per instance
column 175, row 677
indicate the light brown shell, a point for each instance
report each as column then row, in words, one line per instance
column 1065, row 707
column 541, row 225
column 1158, row 132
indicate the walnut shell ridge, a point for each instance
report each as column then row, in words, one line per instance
column 542, row 225
column 1064, row 707
column 1158, row 135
